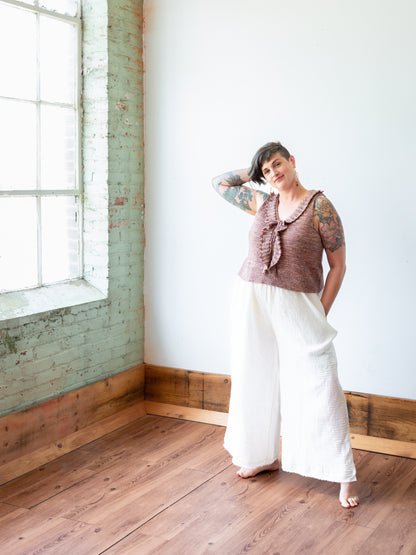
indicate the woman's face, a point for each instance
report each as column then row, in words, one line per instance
column 279, row 172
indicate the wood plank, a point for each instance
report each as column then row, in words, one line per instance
column 186, row 413
column 217, row 389
column 140, row 439
column 9, row 512
column 174, row 386
column 407, row 499
column 142, row 544
column 381, row 445
column 45, row 481
column 392, row 418
column 28, row 430
column 358, row 412
column 26, row 533
column 204, row 451
column 187, row 388
column 26, row 463
column 396, row 534
column 382, row 483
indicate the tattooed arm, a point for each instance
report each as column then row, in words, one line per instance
column 230, row 186
column 329, row 225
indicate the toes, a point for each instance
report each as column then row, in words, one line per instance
column 350, row 502
column 250, row 472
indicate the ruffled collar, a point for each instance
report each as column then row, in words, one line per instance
column 270, row 244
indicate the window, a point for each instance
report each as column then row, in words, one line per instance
column 40, row 189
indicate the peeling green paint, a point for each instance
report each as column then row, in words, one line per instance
column 8, row 341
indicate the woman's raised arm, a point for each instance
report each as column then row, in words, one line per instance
column 230, row 186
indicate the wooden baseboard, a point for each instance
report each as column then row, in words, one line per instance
column 380, row 424
column 39, row 434
column 186, row 413
column 384, row 417
column 186, row 388
column 385, row 446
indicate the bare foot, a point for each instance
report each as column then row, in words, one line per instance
column 348, row 495
column 249, row 472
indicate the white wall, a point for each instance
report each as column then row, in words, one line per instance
column 335, row 82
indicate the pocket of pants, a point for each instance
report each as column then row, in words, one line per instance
column 316, row 301
column 321, row 306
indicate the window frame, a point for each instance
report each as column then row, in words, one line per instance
column 38, row 193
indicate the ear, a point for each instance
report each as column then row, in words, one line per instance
column 292, row 159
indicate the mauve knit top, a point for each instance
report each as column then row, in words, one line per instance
column 286, row 253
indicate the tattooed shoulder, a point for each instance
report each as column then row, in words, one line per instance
column 329, row 224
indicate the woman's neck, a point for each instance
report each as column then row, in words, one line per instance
column 294, row 194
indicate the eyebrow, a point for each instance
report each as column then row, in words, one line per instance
column 277, row 161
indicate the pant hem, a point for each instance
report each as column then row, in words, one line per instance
column 237, row 462
column 326, row 477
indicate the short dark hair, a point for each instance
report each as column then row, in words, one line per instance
column 264, row 154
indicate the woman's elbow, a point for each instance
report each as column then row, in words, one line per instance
column 339, row 269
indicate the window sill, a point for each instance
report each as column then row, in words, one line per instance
column 18, row 304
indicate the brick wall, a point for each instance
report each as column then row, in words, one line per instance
column 65, row 349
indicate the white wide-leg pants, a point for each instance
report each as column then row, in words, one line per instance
column 284, row 371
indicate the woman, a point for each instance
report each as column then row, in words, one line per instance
column 283, row 363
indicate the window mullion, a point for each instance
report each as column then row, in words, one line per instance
column 38, row 9
column 38, row 154
column 79, row 177
column 44, row 102
column 40, row 193
column 39, row 238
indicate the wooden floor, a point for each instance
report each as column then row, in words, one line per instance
column 167, row 486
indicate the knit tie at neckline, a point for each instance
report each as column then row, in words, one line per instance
column 270, row 242
column 271, row 248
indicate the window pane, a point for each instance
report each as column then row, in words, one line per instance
column 18, row 243
column 17, row 145
column 58, row 148
column 58, row 49
column 68, row 7
column 18, row 53
column 60, row 245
